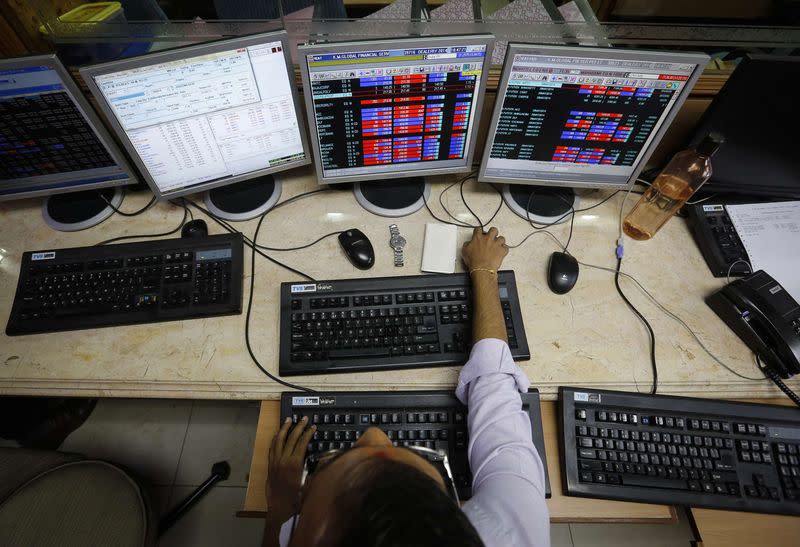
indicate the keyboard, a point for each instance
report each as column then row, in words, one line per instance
column 386, row 323
column 717, row 238
column 145, row 282
column 680, row 451
column 433, row 419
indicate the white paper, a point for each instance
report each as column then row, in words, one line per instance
column 770, row 233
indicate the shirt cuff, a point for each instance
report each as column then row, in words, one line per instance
column 489, row 356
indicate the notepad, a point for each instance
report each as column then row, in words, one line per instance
column 770, row 233
column 439, row 251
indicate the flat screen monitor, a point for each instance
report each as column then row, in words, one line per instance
column 398, row 107
column 51, row 141
column 754, row 112
column 581, row 116
column 205, row 116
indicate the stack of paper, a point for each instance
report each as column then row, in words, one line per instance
column 770, row 233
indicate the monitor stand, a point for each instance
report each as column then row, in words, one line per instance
column 80, row 210
column 393, row 198
column 244, row 200
column 541, row 204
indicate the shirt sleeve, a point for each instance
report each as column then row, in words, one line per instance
column 508, row 493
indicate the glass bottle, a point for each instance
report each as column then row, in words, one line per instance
column 683, row 176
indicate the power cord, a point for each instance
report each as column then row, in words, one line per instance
column 772, row 375
column 123, row 213
column 139, row 236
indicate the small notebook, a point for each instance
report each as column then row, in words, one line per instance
column 439, row 252
column 770, row 233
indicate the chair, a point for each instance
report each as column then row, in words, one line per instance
column 59, row 499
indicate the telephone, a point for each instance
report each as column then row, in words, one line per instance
column 765, row 316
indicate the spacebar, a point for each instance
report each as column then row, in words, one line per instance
column 358, row 353
column 653, row 482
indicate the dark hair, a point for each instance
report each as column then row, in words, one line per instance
column 385, row 503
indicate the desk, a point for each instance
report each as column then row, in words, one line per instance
column 586, row 337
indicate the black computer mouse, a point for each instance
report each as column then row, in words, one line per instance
column 357, row 248
column 562, row 272
column 195, row 228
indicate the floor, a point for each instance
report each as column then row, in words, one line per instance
column 175, row 443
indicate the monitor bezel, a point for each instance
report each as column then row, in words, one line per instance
column 700, row 60
column 51, row 60
column 89, row 73
column 342, row 47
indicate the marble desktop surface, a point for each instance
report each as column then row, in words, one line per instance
column 587, row 337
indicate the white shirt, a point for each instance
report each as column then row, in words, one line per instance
column 507, row 506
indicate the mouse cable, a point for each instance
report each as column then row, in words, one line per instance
column 269, row 375
column 447, row 211
column 123, row 213
column 140, row 236
column 248, row 241
column 306, row 246
column 473, row 213
column 457, row 223
column 655, row 301
column 641, row 317
column 772, row 375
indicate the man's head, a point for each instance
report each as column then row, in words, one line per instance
column 378, row 495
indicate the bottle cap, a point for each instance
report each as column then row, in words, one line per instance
column 710, row 144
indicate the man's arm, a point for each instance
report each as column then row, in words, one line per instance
column 507, row 505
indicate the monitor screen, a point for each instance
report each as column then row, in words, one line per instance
column 406, row 107
column 577, row 116
column 50, row 140
column 754, row 112
column 204, row 116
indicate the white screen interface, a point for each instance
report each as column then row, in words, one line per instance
column 208, row 117
column 581, row 119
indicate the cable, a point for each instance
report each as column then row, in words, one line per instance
column 772, row 375
column 674, row 317
column 249, row 310
column 647, row 324
column 735, row 262
column 139, row 236
column 248, row 241
column 306, row 246
column 123, row 213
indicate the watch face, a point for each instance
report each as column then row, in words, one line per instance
column 397, row 241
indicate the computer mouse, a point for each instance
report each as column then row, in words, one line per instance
column 562, row 272
column 357, row 248
column 195, row 228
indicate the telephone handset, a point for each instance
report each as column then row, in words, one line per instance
column 765, row 316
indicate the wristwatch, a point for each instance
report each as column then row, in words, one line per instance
column 396, row 242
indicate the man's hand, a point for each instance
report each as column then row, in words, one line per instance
column 286, row 457
column 484, row 250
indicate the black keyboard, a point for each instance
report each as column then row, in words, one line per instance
column 680, row 451
column 146, row 282
column 717, row 238
column 386, row 323
column 433, row 419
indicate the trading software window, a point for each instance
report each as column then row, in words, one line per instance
column 389, row 110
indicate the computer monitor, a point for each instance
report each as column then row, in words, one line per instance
column 203, row 117
column 579, row 117
column 384, row 113
column 755, row 113
column 53, row 144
